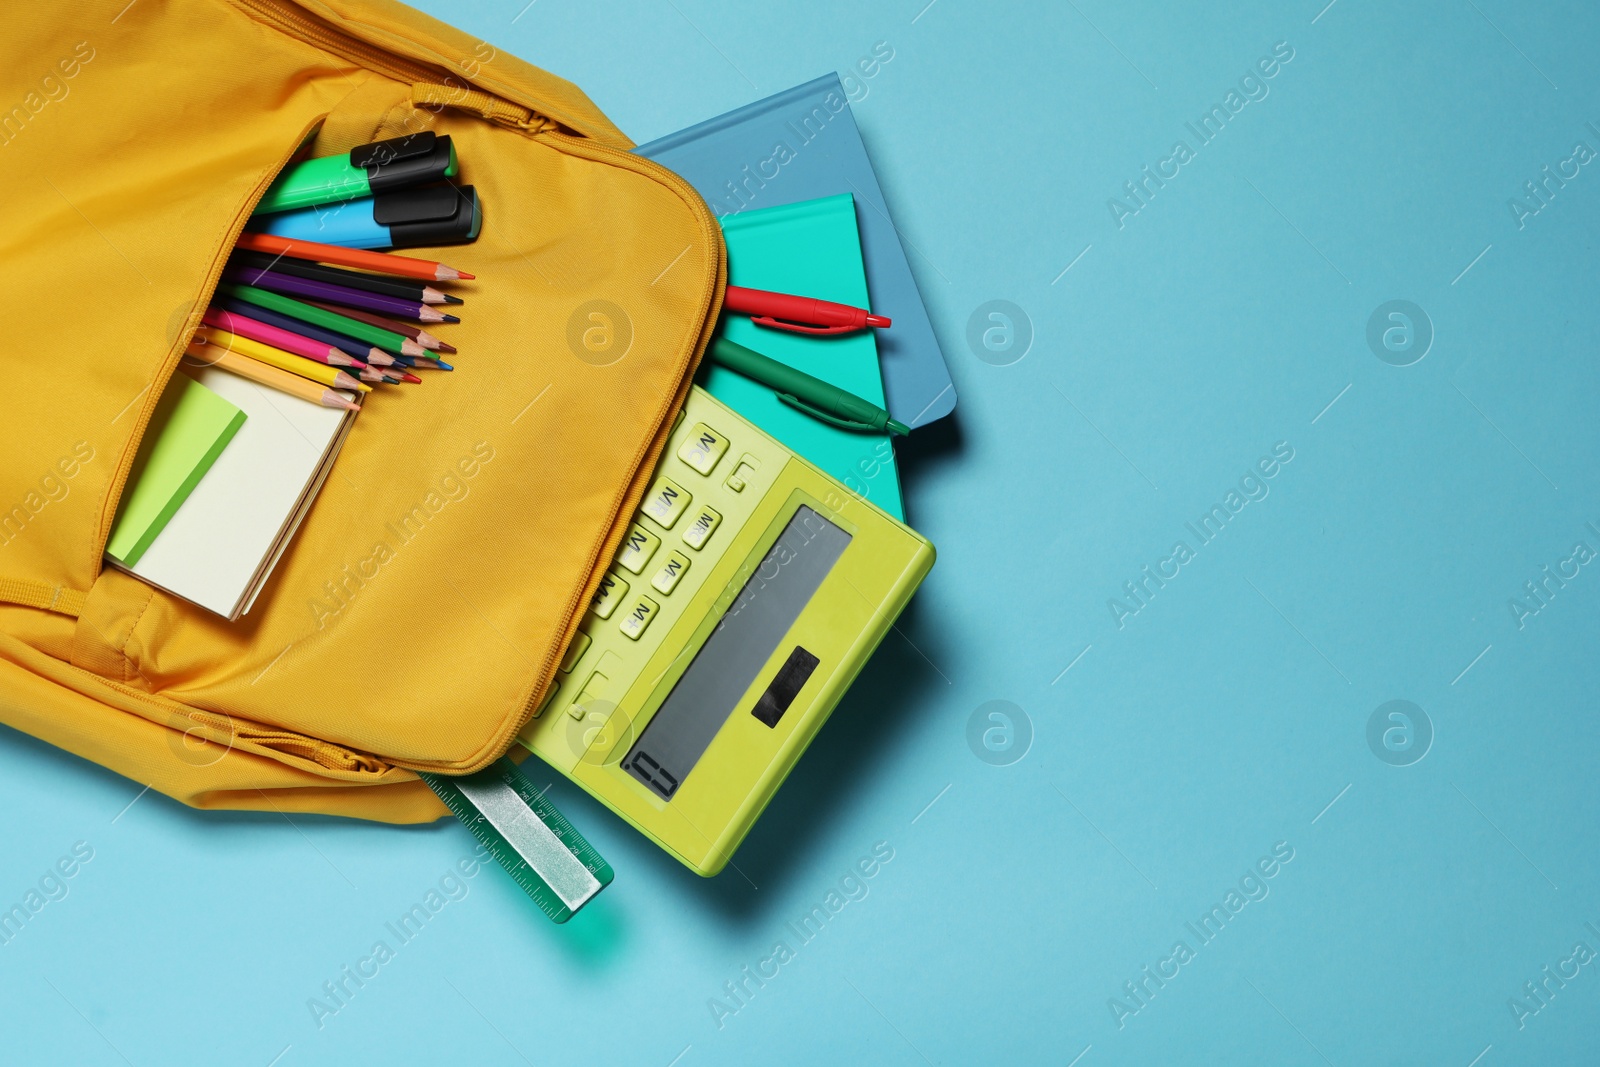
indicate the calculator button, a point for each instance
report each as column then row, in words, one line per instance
column 639, row 616
column 665, row 502
column 594, row 689
column 666, row 579
column 740, row 477
column 703, row 448
column 699, row 531
column 549, row 698
column 637, row 548
column 612, row 590
column 575, row 651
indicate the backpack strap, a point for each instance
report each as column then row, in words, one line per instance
column 43, row 595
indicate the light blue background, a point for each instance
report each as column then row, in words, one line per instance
column 1225, row 717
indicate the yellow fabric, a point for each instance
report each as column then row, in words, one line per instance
column 420, row 613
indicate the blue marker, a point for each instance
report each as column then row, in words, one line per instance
column 408, row 218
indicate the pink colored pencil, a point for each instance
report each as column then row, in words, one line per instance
column 272, row 335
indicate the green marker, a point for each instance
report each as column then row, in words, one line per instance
column 817, row 398
column 379, row 167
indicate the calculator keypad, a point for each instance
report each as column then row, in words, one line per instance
column 666, row 501
column 639, row 616
column 612, row 590
column 637, row 548
column 670, row 500
column 575, row 651
column 698, row 532
column 667, row 578
column 703, row 448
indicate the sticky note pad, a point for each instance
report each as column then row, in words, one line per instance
column 221, row 547
column 188, row 431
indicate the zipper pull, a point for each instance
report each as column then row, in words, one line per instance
column 431, row 97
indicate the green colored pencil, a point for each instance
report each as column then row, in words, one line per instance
column 387, row 340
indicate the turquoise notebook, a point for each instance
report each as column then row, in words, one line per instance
column 810, row 249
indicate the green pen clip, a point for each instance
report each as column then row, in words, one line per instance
column 823, row 416
column 844, row 424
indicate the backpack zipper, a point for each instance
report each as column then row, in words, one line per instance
column 290, row 19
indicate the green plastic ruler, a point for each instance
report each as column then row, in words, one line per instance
column 533, row 841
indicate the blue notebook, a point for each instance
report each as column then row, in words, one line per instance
column 800, row 145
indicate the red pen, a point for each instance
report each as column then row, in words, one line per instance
column 798, row 314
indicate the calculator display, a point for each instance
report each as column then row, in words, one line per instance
column 742, row 642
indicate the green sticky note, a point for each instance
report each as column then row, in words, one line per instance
column 188, row 431
column 809, row 249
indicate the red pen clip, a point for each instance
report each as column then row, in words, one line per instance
column 798, row 314
column 795, row 327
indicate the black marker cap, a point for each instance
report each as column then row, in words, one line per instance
column 401, row 162
column 437, row 215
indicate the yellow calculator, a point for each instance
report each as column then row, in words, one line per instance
column 749, row 591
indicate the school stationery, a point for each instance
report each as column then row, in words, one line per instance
column 308, row 289
column 200, row 354
column 348, row 345
column 748, row 591
column 423, row 363
column 311, row 370
column 798, row 145
column 218, row 549
column 537, row 846
column 813, row 248
column 799, row 314
column 815, row 397
column 403, row 288
column 379, row 167
column 416, row 333
column 244, row 326
column 387, row 340
column 189, row 429
column 411, row 218
column 403, row 266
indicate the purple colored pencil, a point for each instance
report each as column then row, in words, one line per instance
column 334, row 293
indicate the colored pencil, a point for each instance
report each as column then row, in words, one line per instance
column 387, row 340
column 245, row 326
column 332, row 377
column 416, row 333
column 381, row 262
column 348, row 345
column 313, row 291
column 271, row 377
column 404, row 288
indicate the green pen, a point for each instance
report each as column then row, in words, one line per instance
column 379, row 167
column 817, row 398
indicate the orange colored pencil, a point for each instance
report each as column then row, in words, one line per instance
column 360, row 258
column 272, row 377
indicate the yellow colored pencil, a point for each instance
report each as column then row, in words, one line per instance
column 271, row 377
column 277, row 357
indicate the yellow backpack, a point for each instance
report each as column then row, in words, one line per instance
column 419, row 615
